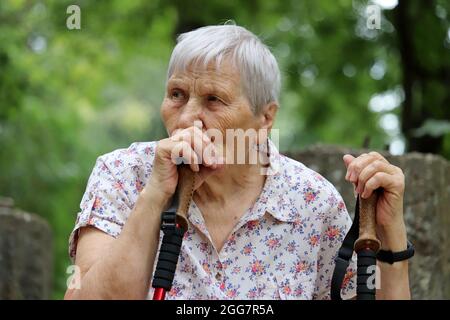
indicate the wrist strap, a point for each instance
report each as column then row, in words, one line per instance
column 391, row 257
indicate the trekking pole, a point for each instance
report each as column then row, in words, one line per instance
column 366, row 248
column 174, row 225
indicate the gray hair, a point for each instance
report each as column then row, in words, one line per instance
column 258, row 68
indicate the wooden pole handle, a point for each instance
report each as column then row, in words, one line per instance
column 367, row 224
column 185, row 191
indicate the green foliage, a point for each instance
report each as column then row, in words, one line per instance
column 68, row 96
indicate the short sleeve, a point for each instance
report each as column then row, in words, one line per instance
column 104, row 205
column 334, row 229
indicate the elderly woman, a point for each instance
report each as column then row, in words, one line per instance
column 250, row 235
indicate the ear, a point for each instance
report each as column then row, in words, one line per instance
column 267, row 115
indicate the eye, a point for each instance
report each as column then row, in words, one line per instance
column 214, row 99
column 177, row 94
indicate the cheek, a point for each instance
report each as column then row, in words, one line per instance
column 232, row 117
column 222, row 120
column 169, row 116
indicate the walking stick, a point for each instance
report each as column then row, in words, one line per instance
column 366, row 248
column 174, row 225
column 362, row 239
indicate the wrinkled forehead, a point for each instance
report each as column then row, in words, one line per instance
column 222, row 71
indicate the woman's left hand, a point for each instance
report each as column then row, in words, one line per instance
column 369, row 172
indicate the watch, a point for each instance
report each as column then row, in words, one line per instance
column 391, row 257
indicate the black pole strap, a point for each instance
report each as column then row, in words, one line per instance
column 344, row 256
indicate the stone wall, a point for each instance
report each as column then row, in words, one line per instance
column 25, row 254
column 427, row 213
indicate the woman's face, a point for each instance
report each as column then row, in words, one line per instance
column 214, row 96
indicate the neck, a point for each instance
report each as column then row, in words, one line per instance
column 233, row 182
column 224, row 198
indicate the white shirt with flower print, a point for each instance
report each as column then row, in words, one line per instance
column 283, row 247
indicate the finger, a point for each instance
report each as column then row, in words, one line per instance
column 370, row 170
column 353, row 165
column 357, row 165
column 348, row 158
column 209, row 154
column 379, row 180
column 185, row 134
column 183, row 150
column 174, row 132
column 198, row 124
column 198, row 141
column 205, row 147
column 176, row 135
column 204, row 137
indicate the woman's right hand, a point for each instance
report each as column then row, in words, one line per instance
column 194, row 147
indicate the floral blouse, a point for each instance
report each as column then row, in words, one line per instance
column 283, row 247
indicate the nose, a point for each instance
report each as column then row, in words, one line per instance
column 190, row 113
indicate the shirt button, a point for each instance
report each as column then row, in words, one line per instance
column 218, row 276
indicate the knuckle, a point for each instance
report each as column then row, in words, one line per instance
column 163, row 145
column 398, row 185
column 379, row 175
column 377, row 178
column 377, row 164
column 187, row 135
column 357, row 166
column 378, row 156
column 186, row 145
column 180, row 146
column 401, row 176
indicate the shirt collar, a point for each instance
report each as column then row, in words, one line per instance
column 274, row 198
